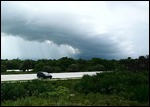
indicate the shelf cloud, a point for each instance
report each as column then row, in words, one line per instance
column 86, row 29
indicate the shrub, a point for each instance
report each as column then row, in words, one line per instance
column 140, row 93
column 134, row 84
column 12, row 91
column 3, row 68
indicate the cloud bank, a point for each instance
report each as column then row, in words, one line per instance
column 110, row 30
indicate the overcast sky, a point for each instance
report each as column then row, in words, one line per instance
column 78, row 29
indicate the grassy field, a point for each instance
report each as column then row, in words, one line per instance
column 119, row 88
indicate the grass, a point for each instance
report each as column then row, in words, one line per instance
column 91, row 99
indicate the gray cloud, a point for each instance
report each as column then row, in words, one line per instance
column 62, row 27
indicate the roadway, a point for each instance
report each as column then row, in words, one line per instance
column 13, row 77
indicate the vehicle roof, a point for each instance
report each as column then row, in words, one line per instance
column 45, row 73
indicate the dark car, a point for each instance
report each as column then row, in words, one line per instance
column 44, row 75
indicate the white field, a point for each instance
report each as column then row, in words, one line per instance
column 12, row 77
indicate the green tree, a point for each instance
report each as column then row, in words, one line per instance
column 82, row 64
column 142, row 62
column 147, row 62
column 64, row 62
column 3, row 68
column 56, row 69
column 22, row 67
column 12, row 64
column 26, row 65
column 9, row 64
column 39, row 66
column 47, row 69
column 73, row 67
column 98, row 67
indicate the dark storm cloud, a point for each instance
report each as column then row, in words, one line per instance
column 59, row 27
column 62, row 32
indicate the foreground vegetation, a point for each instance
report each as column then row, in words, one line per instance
column 118, row 88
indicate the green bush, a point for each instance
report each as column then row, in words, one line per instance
column 139, row 93
column 12, row 91
column 116, row 82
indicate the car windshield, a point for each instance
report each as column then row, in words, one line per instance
column 46, row 73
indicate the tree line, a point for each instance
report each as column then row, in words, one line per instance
column 66, row 64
